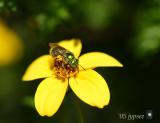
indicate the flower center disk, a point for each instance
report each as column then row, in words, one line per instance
column 62, row 69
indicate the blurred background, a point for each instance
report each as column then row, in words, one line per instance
column 127, row 30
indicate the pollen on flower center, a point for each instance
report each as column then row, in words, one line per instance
column 62, row 69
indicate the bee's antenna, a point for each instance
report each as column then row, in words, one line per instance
column 82, row 67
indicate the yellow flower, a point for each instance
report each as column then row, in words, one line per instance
column 86, row 83
column 10, row 45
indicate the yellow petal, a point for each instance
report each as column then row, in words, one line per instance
column 40, row 68
column 73, row 45
column 98, row 59
column 49, row 96
column 11, row 46
column 91, row 88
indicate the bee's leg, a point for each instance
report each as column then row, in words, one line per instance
column 63, row 66
column 65, row 71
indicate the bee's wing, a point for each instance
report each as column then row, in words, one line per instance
column 52, row 45
column 55, row 49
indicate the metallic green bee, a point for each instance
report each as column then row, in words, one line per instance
column 67, row 55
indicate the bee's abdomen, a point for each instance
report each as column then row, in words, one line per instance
column 57, row 51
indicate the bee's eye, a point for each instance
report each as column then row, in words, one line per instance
column 73, row 61
column 70, row 56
